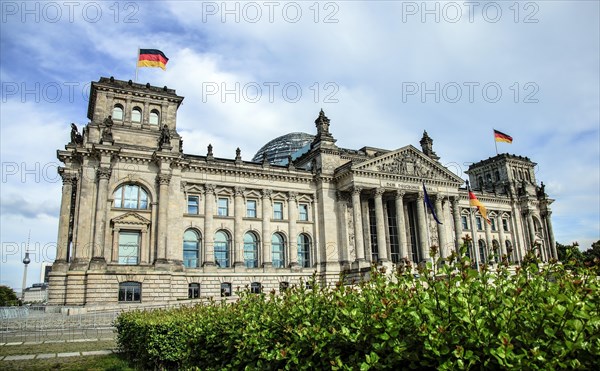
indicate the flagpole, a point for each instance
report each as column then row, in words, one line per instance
column 495, row 141
column 136, row 65
column 475, row 248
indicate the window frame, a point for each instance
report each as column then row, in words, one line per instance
column 121, row 202
column 130, row 287
column 226, row 251
column 222, row 210
column 251, row 250
column 464, row 220
column 225, row 289
column 303, row 251
column 121, row 245
column 281, row 252
column 197, row 249
column 479, row 223
column 122, row 113
column 303, row 212
column 251, row 212
column 256, row 288
column 505, row 225
column 139, row 111
column 193, row 290
column 189, row 205
column 154, row 112
column 278, row 211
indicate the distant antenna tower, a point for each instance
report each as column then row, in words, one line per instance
column 26, row 262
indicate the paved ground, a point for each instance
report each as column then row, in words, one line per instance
column 54, row 355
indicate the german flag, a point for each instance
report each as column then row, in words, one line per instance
column 473, row 201
column 501, row 137
column 152, row 58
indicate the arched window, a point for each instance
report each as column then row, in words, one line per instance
column 117, row 113
column 304, row 250
column 136, row 114
column 496, row 248
column 509, row 250
column 191, row 249
column 250, row 250
column 130, row 292
column 222, row 247
column 193, row 291
column 225, row 289
column 278, row 250
column 131, row 196
column 482, row 251
column 255, row 287
column 154, row 117
column 497, row 174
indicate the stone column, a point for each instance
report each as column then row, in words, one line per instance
column 550, row 232
column 163, row 206
column 518, row 235
column 292, row 213
column 422, row 227
column 359, row 243
column 441, row 228
column 102, row 174
column 457, row 224
column 531, row 228
column 401, row 225
column 501, row 233
column 380, row 223
column 488, row 236
column 266, row 229
column 62, row 245
column 209, row 238
column 238, row 238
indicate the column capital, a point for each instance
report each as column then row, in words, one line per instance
column 163, row 179
column 103, row 173
column 292, row 195
column 420, row 195
column 239, row 191
column 67, row 177
column 357, row 190
column 210, row 188
column 379, row 192
column 400, row 193
column 266, row 193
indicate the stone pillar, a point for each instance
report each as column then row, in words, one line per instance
column 266, row 229
column 550, row 232
column 457, row 224
column 422, row 227
column 98, row 260
column 401, row 225
column 209, row 238
column 62, row 245
column 501, row 233
column 238, row 238
column 359, row 242
column 518, row 235
column 292, row 213
column 441, row 228
column 488, row 237
column 163, row 206
column 380, row 223
column 531, row 228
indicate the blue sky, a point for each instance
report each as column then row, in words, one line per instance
column 382, row 71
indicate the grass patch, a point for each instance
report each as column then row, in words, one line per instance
column 11, row 350
column 111, row 362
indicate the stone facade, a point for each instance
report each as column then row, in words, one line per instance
column 141, row 221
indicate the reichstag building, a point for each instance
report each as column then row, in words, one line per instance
column 141, row 221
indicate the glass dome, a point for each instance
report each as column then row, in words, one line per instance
column 278, row 150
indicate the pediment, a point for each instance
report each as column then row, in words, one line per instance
column 130, row 218
column 408, row 162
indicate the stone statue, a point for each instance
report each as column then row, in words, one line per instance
column 107, row 131
column 76, row 138
column 165, row 135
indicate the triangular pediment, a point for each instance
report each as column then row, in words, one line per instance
column 408, row 162
column 130, row 218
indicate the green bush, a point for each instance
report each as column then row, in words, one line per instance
column 538, row 318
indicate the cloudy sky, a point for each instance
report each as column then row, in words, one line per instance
column 383, row 71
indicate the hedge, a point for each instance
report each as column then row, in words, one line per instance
column 541, row 317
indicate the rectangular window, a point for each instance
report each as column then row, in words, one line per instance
column 129, row 247
column 223, row 204
column 493, row 220
column 303, row 212
column 505, row 225
column 130, row 291
column 194, row 291
column 479, row 224
column 278, row 210
column 193, row 205
column 251, row 208
column 465, row 222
